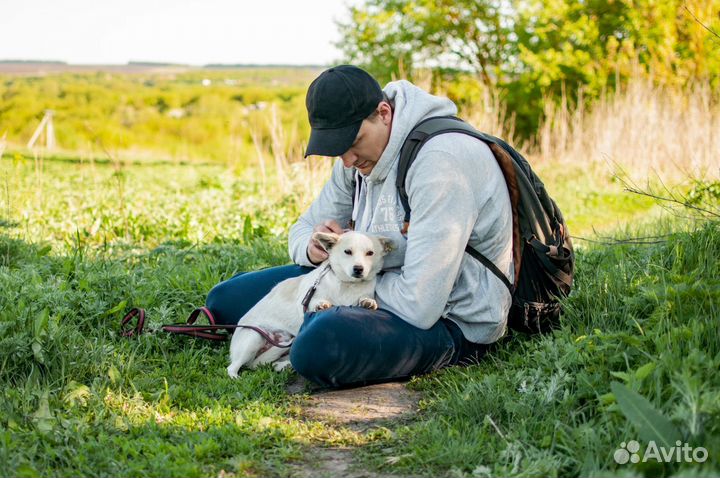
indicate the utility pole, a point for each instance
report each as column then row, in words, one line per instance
column 3, row 144
column 47, row 124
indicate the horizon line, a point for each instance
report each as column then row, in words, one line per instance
column 162, row 64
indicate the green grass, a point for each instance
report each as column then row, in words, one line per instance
column 82, row 242
column 78, row 399
column 645, row 316
column 593, row 200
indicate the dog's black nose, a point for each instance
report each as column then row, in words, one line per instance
column 357, row 271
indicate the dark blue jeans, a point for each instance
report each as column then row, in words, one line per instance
column 348, row 346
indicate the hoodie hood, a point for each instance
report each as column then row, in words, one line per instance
column 411, row 105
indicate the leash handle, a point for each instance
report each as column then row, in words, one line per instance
column 202, row 331
column 209, row 332
column 196, row 313
column 138, row 328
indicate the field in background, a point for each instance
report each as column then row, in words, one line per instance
column 171, row 114
column 252, row 124
column 86, row 234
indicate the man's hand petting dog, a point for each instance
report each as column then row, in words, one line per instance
column 315, row 251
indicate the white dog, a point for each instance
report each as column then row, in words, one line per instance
column 347, row 277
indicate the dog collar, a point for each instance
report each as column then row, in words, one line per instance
column 310, row 293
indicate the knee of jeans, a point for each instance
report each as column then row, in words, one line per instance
column 315, row 354
column 214, row 296
column 220, row 303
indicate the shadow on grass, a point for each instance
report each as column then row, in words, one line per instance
column 71, row 384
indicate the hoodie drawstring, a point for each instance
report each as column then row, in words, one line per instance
column 356, row 200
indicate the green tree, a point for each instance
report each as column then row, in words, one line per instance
column 392, row 37
column 531, row 49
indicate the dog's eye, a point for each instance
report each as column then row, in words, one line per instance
column 348, row 252
column 369, row 253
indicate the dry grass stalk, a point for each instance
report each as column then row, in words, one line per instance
column 491, row 116
column 277, row 146
column 260, row 157
column 645, row 128
column 290, row 173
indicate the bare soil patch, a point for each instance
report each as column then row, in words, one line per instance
column 363, row 408
column 359, row 409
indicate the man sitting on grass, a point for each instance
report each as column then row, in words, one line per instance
column 438, row 306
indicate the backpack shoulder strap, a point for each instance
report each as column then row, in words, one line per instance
column 420, row 134
column 431, row 127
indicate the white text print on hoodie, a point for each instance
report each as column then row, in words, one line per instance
column 457, row 196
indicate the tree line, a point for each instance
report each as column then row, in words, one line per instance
column 529, row 50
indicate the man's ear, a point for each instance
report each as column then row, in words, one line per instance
column 326, row 239
column 385, row 111
column 387, row 244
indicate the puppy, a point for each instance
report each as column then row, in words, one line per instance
column 347, row 278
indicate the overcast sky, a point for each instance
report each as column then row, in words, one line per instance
column 179, row 31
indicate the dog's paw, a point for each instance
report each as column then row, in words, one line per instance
column 322, row 305
column 281, row 365
column 232, row 371
column 368, row 303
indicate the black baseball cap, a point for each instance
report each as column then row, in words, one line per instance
column 337, row 102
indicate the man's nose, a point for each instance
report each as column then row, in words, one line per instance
column 348, row 159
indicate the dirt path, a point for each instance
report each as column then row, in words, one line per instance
column 360, row 410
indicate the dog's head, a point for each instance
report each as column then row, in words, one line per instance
column 354, row 256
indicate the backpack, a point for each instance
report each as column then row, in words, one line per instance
column 542, row 249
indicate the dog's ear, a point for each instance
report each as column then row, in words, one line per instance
column 387, row 244
column 326, row 239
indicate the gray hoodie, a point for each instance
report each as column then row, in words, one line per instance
column 457, row 196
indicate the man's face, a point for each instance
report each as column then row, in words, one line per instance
column 370, row 141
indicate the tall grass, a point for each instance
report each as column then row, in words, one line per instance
column 645, row 128
column 288, row 172
column 487, row 113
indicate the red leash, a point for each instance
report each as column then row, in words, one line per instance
column 210, row 332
